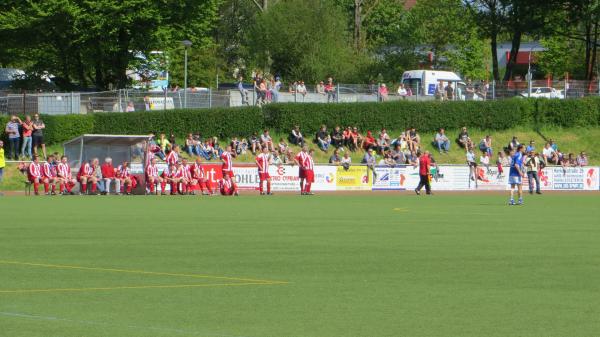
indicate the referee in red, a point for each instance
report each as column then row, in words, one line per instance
column 424, row 164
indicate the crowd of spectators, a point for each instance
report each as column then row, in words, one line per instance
column 267, row 89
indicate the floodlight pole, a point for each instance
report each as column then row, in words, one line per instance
column 186, row 44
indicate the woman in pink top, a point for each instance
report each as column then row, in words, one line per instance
column 27, row 126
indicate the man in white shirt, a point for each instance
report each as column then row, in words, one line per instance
column 550, row 156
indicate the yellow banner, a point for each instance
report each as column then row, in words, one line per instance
column 354, row 178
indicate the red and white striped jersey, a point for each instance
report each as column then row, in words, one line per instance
column 187, row 171
column 172, row 158
column 300, row 158
column 176, row 173
column 227, row 161
column 309, row 164
column 86, row 170
column 123, row 172
column 197, row 171
column 35, row 170
column 152, row 171
column 64, row 171
column 226, row 184
column 263, row 161
column 49, row 170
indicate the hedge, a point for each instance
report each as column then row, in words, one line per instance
column 425, row 116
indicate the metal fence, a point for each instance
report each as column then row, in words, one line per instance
column 135, row 100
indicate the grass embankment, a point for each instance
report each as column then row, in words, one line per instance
column 568, row 140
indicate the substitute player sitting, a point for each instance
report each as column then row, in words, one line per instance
column 201, row 177
column 153, row 179
column 227, row 186
column 86, row 176
column 263, row 160
column 65, row 178
column 34, row 175
column 189, row 183
column 124, row 175
column 516, row 174
column 49, row 173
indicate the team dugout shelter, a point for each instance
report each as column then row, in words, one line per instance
column 131, row 148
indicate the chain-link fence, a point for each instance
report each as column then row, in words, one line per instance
column 135, row 100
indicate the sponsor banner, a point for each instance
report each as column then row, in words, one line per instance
column 355, row 178
column 570, row 178
column 325, row 178
column 489, row 179
column 389, row 178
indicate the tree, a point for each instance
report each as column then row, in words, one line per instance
column 304, row 39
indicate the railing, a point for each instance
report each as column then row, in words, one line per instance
column 136, row 100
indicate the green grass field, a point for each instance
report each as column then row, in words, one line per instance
column 390, row 264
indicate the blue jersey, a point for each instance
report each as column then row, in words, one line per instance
column 517, row 161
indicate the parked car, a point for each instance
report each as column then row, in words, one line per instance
column 543, row 92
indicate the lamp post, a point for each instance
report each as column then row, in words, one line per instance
column 186, row 44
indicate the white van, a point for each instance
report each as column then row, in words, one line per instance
column 424, row 82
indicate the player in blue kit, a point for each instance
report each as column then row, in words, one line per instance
column 515, row 177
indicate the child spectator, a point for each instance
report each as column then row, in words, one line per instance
column 346, row 160
column 282, row 146
column 500, row 161
column 582, row 159
column 484, row 160
column 255, row 143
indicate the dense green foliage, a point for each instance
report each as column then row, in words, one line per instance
column 384, row 265
column 425, row 116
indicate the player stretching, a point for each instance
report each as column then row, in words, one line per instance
column 299, row 160
column 263, row 161
column 49, row 172
column 153, row 179
column 34, row 174
column 515, row 176
column 65, row 178
column 202, row 178
column 227, row 167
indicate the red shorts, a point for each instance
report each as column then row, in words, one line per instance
column 309, row 175
column 227, row 191
column 229, row 173
column 301, row 173
column 264, row 176
column 32, row 179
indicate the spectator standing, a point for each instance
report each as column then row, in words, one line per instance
column 402, row 91
column 424, row 165
column 243, row 92
column 370, row 160
column 532, row 164
column 27, row 126
column 296, row 137
column 449, row 92
column 442, row 141
column 14, row 137
column 484, row 160
column 2, row 160
column 323, row 138
column 130, row 107
column 301, row 90
column 383, row 92
column 501, row 162
column 472, row 164
column 38, row 135
column 320, row 89
column 330, row 90
column 582, row 159
column 439, row 91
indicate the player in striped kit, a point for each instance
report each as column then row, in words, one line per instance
column 263, row 160
column 173, row 156
column 227, row 186
column 124, row 175
column 35, row 175
column 65, row 178
column 189, row 183
column 175, row 177
column 306, row 170
column 152, row 178
column 86, row 176
column 49, row 173
column 227, row 166
column 201, row 176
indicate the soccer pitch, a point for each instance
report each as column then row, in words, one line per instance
column 364, row 265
